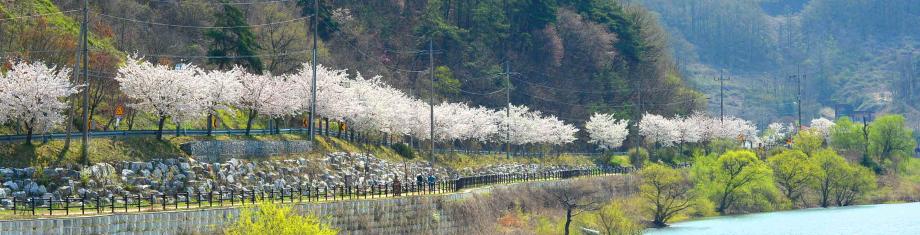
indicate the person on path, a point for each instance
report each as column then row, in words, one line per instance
column 431, row 181
column 397, row 187
column 419, row 182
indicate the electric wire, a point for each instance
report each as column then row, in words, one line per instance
column 39, row 15
column 198, row 26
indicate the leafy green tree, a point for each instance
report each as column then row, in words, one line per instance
column 890, row 141
column 734, row 175
column 807, row 141
column 528, row 15
column 722, row 145
column 793, row 173
column 847, row 135
column 830, row 169
column 270, row 218
column 666, row 191
column 234, row 43
column 855, row 184
column 492, row 26
column 613, row 219
column 435, row 27
column 638, row 156
column 445, row 82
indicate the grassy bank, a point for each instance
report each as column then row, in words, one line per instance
column 52, row 153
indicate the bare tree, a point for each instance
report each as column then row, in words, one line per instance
column 575, row 199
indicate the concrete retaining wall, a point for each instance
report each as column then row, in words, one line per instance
column 213, row 151
column 412, row 215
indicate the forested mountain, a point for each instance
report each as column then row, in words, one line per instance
column 855, row 55
column 568, row 58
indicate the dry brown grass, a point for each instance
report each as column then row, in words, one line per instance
column 514, row 209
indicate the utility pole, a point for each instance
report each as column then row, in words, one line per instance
column 84, row 154
column 411, row 139
column 508, row 109
column 431, row 95
column 313, row 62
column 722, row 96
column 798, row 78
column 637, row 142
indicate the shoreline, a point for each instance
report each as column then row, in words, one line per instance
column 777, row 211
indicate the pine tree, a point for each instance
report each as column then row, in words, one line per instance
column 326, row 25
column 234, row 43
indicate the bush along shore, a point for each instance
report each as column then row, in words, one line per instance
column 730, row 183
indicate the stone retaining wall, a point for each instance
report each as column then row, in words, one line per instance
column 216, row 151
column 408, row 215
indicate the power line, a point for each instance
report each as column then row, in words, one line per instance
column 200, row 27
column 608, row 92
column 492, row 76
column 615, row 106
column 221, row 57
column 231, row 3
column 355, row 47
column 482, row 94
column 40, row 51
column 39, row 15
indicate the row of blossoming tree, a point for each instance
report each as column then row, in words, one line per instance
column 32, row 96
column 365, row 104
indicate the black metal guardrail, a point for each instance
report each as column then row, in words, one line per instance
column 87, row 204
column 133, row 133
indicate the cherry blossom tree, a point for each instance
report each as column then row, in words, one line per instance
column 778, row 133
column 32, row 95
column 693, row 128
column 267, row 95
column 606, row 131
column 658, row 129
column 526, row 126
column 223, row 91
column 823, row 126
column 166, row 92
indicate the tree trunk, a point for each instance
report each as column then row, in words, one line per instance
column 70, row 114
column 29, row 134
column 160, row 127
column 131, row 120
column 210, row 123
column 278, row 122
column 252, row 116
column 568, row 219
column 327, row 126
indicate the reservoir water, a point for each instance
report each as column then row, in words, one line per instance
column 888, row 219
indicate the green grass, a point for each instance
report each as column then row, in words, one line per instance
column 52, row 153
column 147, row 148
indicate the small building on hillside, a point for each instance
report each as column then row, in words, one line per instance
column 856, row 114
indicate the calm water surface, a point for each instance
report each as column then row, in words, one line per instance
column 869, row 219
